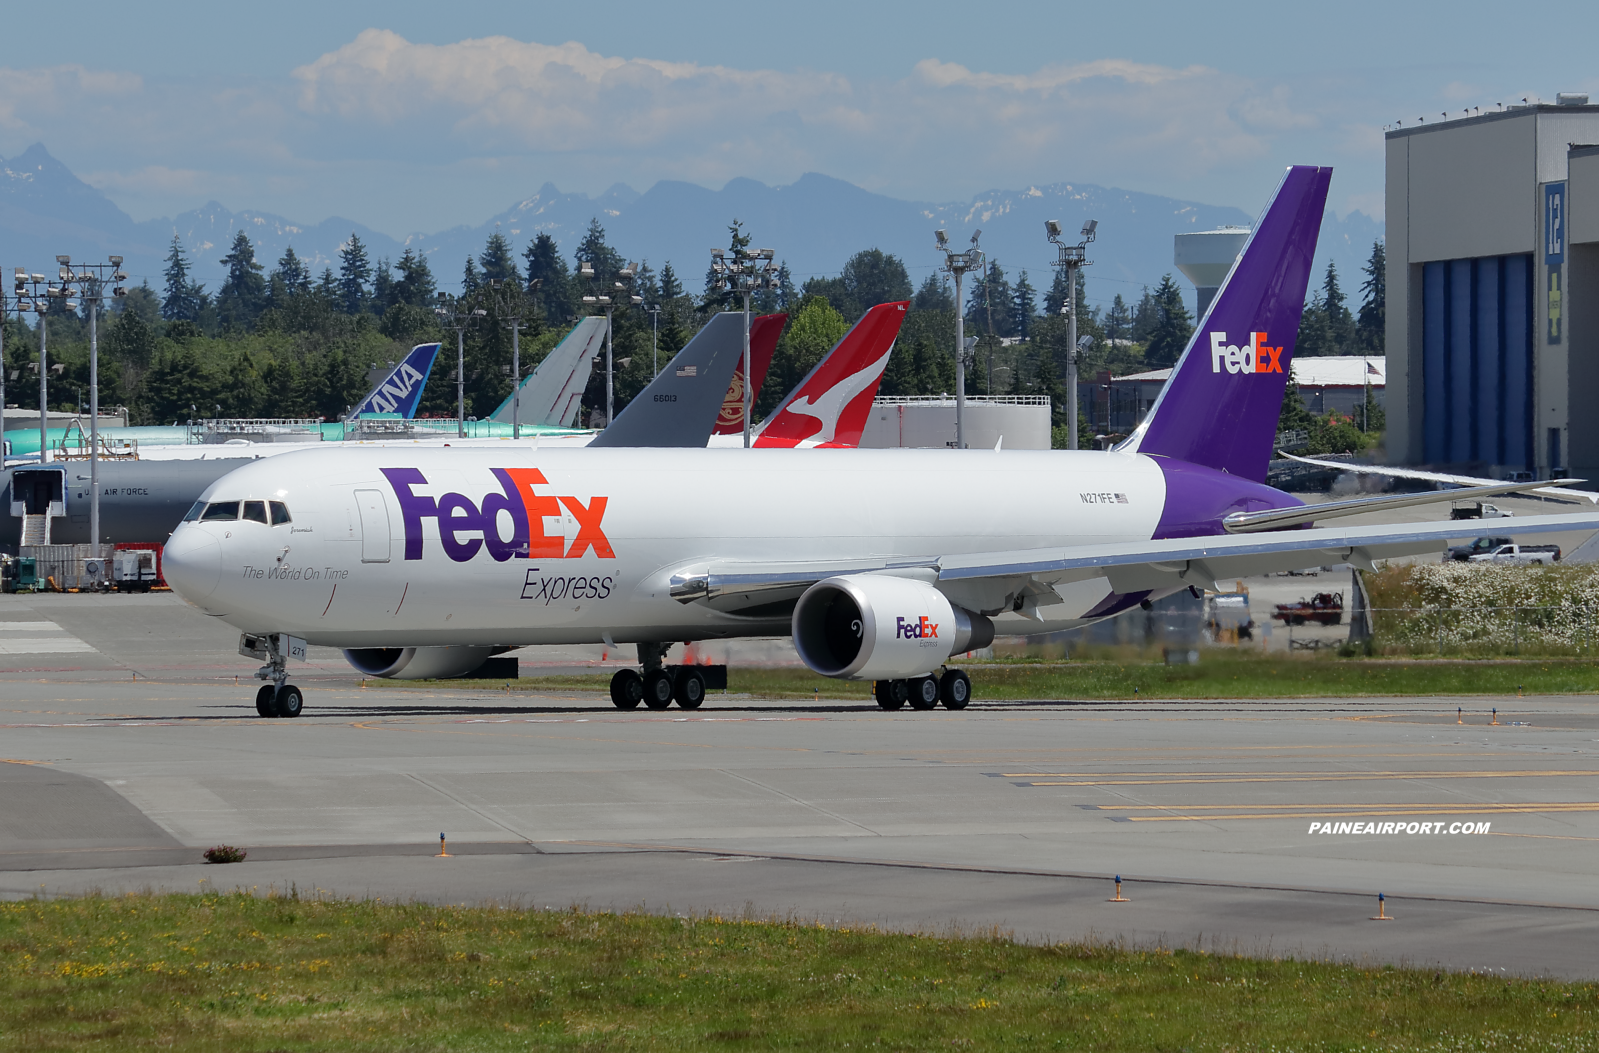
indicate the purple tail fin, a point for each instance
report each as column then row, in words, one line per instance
column 1220, row 407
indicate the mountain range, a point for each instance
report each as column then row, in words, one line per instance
column 815, row 224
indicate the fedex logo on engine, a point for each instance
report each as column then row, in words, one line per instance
column 1253, row 357
column 915, row 629
column 467, row 527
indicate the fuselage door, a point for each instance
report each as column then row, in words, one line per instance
column 374, row 526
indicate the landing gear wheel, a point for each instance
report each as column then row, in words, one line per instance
column 690, row 689
column 627, row 689
column 290, row 702
column 955, row 689
column 263, row 701
column 923, row 692
column 657, row 689
column 891, row 694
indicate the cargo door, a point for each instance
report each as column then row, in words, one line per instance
column 374, row 526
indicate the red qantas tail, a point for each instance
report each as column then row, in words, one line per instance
column 764, row 332
column 830, row 406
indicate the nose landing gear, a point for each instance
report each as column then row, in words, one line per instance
column 278, row 698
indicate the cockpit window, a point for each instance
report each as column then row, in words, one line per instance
column 194, row 513
column 255, row 511
column 217, row 510
column 280, row 513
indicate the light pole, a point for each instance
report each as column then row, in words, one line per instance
column 509, row 303
column 1072, row 258
column 746, row 271
column 454, row 315
column 958, row 263
column 91, row 282
column 5, row 310
column 34, row 294
column 655, row 341
column 619, row 292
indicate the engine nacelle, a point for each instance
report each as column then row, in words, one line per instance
column 418, row 663
column 878, row 627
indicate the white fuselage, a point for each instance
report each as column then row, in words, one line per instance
column 338, row 574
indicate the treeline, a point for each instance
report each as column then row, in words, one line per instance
column 282, row 341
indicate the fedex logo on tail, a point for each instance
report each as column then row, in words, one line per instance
column 467, row 527
column 1253, row 357
column 915, row 629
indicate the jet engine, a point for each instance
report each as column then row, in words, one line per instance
column 878, row 627
column 418, row 663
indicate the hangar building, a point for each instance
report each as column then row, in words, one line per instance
column 1493, row 291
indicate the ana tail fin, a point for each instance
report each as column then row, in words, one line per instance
column 1220, row 407
column 401, row 390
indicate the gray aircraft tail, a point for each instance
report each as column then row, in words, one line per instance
column 552, row 392
column 679, row 407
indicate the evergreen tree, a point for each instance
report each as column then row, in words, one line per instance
column 471, row 280
column 671, row 287
column 1373, row 325
column 546, row 266
column 605, row 260
column 296, row 276
column 243, row 294
column 355, row 272
column 131, row 339
column 183, row 298
column 1340, row 323
column 499, row 262
column 988, row 307
column 1173, row 325
column 382, row 286
column 327, row 286
column 1315, row 330
column 787, row 294
column 415, row 285
column 934, row 295
column 1118, row 320
column 1145, row 316
column 1023, row 307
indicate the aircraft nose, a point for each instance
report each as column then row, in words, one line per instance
column 192, row 563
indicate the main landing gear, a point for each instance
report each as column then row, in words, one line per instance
column 278, row 698
column 953, row 688
column 658, row 686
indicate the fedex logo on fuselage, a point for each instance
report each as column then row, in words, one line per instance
column 467, row 527
column 1253, row 357
column 915, row 629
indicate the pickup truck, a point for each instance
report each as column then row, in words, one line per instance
column 1479, row 511
column 1537, row 555
column 1461, row 553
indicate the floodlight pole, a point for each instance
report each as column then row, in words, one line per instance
column 619, row 291
column 454, row 315
column 91, row 283
column 958, row 263
column 744, row 274
column 1072, row 259
column 509, row 301
column 655, row 340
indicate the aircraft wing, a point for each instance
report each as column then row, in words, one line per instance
column 991, row 581
column 1558, row 492
column 401, row 390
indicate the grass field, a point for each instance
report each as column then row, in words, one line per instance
column 1218, row 675
column 245, row 973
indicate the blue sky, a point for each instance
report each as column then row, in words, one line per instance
column 409, row 116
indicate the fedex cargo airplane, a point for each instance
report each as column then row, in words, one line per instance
column 882, row 564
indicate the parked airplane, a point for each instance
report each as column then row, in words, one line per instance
column 398, row 393
column 882, row 564
column 552, row 394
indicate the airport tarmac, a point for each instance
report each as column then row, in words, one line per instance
column 130, row 749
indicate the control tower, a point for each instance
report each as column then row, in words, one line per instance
column 1206, row 256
